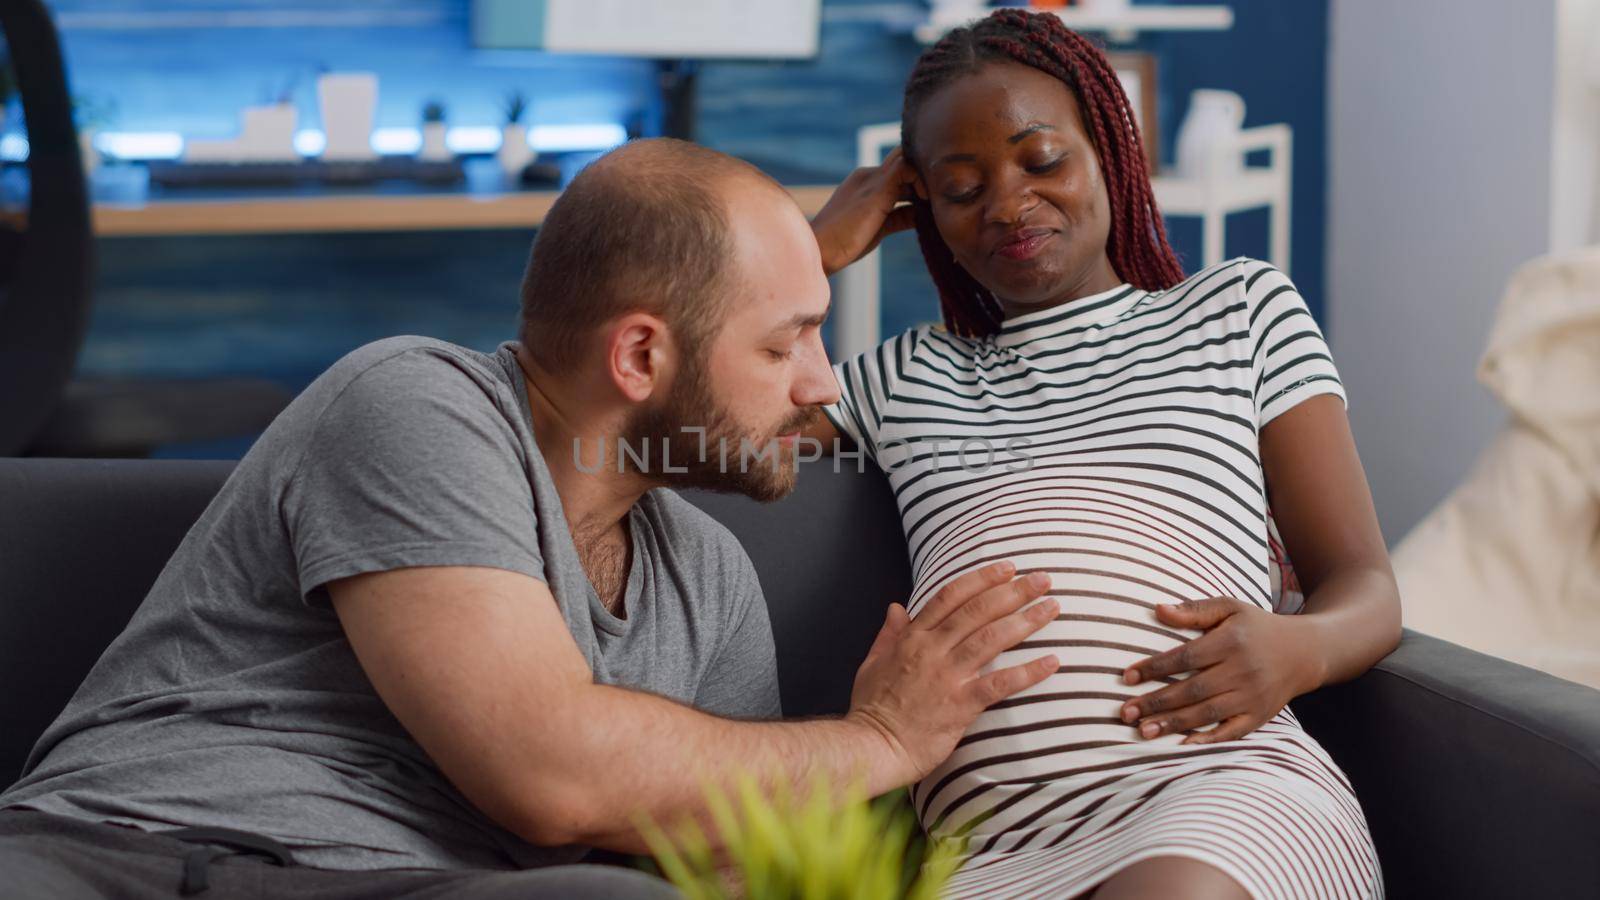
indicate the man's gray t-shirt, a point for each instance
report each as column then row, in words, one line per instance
column 233, row 698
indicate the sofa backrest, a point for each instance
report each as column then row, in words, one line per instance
column 81, row 541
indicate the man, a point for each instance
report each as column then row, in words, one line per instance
column 442, row 619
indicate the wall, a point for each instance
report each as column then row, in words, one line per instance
column 1575, row 157
column 1439, row 179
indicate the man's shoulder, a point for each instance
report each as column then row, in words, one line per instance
column 406, row 381
column 407, row 358
column 692, row 527
column 401, row 400
column 689, row 532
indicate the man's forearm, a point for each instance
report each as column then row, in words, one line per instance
column 1355, row 615
column 630, row 754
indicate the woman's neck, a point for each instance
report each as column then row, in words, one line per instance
column 1097, row 279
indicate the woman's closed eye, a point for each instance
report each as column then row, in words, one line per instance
column 960, row 194
column 1046, row 168
column 964, row 196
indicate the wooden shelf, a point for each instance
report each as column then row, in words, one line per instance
column 336, row 213
column 1124, row 25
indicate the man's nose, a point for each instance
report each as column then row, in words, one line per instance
column 815, row 384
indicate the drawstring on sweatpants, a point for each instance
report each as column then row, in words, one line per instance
column 197, row 862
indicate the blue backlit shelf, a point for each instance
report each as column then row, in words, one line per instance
column 1121, row 25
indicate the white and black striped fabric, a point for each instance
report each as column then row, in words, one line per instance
column 1112, row 443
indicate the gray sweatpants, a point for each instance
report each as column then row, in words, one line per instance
column 47, row 857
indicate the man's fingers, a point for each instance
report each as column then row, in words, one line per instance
column 894, row 622
column 960, row 589
column 992, row 605
column 1002, row 683
column 1189, row 718
column 1001, row 635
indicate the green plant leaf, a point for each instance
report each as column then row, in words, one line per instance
column 815, row 844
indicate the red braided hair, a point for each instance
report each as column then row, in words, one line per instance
column 1137, row 243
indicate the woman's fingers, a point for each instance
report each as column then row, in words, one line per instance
column 1207, row 649
column 1188, row 692
column 901, row 218
column 1230, row 730
column 1199, row 715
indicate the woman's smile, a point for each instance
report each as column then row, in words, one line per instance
column 1023, row 244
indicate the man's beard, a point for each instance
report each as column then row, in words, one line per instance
column 666, row 442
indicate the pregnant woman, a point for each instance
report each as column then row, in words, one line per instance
column 1090, row 413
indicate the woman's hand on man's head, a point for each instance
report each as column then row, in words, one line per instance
column 865, row 208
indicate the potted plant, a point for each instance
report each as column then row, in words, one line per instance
column 90, row 114
column 821, row 844
column 515, row 154
column 434, row 148
column 266, row 130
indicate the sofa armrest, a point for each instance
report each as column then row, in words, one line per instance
column 1479, row 777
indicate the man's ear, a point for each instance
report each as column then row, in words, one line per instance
column 639, row 353
column 920, row 187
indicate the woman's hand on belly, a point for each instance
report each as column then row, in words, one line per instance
column 1247, row 666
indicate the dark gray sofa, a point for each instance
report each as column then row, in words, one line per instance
column 1480, row 778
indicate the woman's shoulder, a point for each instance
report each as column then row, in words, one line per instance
column 918, row 341
column 1241, row 279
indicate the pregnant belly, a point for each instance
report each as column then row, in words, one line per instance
column 1068, row 727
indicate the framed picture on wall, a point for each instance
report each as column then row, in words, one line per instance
column 1137, row 72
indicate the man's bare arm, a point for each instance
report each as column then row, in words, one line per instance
column 478, row 665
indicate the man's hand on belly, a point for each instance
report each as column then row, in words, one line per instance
column 1247, row 666
column 922, row 683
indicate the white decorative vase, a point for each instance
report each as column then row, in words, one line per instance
column 348, row 101
column 266, row 133
column 434, row 148
column 1213, row 124
column 514, row 154
column 86, row 149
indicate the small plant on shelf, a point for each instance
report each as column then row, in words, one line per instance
column 281, row 95
column 515, row 107
column 432, row 111
column 91, row 112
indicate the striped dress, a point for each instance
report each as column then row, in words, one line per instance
column 1111, row 443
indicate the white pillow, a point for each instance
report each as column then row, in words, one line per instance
column 1509, row 563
